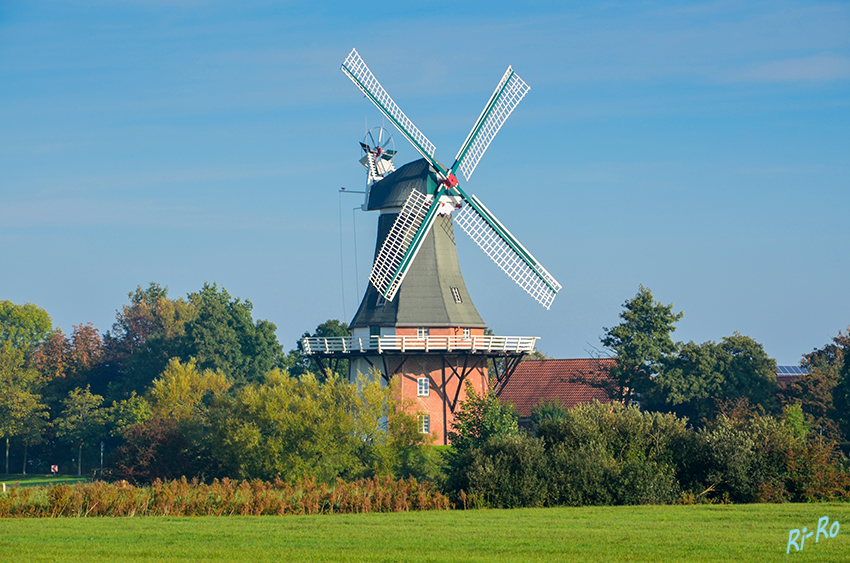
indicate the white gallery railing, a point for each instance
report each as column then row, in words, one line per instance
column 379, row 344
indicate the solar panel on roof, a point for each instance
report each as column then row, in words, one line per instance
column 790, row 370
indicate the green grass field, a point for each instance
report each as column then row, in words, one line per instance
column 748, row 533
column 32, row 480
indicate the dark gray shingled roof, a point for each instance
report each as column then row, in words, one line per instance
column 425, row 297
column 393, row 190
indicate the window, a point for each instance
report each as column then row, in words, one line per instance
column 425, row 423
column 456, row 295
column 381, row 301
column 423, row 386
column 422, row 332
column 374, row 331
column 467, row 333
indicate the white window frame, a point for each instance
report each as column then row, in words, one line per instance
column 424, row 423
column 423, row 332
column 467, row 333
column 423, row 387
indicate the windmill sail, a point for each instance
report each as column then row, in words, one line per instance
column 403, row 242
column 419, row 211
column 359, row 73
column 507, row 252
column 509, row 92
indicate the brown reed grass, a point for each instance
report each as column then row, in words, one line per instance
column 221, row 498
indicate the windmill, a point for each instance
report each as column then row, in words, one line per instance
column 379, row 149
column 420, row 211
column 416, row 321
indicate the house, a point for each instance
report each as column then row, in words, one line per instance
column 787, row 374
column 549, row 380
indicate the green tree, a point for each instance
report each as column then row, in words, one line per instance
column 481, row 417
column 179, row 393
column 288, row 428
column 19, row 402
column 749, row 372
column 24, row 326
column 700, row 377
column 298, row 364
column 82, row 421
column 387, row 428
column 129, row 412
column 690, row 381
column 640, row 344
column 223, row 336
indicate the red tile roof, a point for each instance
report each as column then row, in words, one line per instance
column 534, row 380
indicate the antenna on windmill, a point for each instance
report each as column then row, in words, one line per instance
column 444, row 194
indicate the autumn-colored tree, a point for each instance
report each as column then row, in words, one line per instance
column 65, row 363
column 814, row 391
column 147, row 333
column 60, row 356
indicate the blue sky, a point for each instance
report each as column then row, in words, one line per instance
column 699, row 149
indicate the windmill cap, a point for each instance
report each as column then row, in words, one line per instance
column 393, row 190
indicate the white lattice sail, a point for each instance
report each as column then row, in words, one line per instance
column 508, row 94
column 359, row 73
column 501, row 246
column 397, row 254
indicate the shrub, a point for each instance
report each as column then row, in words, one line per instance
column 506, row 472
column 156, row 449
column 581, row 475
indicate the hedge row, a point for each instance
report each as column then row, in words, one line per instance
column 612, row 455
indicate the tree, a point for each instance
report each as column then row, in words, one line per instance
column 387, row 428
column 19, row 403
column 481, row 417
column 749, row 372
column 82, row 420
column 700, row 377
column 146, row 334
column 223, row 336
column 165, row 431
column 24, row 326
column 815, row 390
column 547, row 410
column 690, row 381
column 65, row 363
column 155, row 449
column 298, row 364
column 34, row 426
column 288, row 428
column 178, row 394
column 841, row 398
column 640, row 343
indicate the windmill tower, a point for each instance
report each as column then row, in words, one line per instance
column 417, row 321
